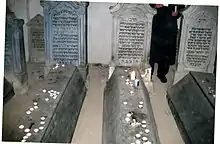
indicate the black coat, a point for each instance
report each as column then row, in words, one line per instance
column 163, row 38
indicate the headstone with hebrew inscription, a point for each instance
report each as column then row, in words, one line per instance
column 65, row 32
column 36, row 39
column 132, row 24
column 198, row 42
column 15, row 63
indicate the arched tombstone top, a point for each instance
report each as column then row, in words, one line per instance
column 36, row 21
column 141, row 9
column 51, row 5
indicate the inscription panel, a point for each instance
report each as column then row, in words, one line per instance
column 37, row 39
column 65, row 37
column 198, row 46
column 131, row 41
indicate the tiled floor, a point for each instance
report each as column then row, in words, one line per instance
column 89, row 126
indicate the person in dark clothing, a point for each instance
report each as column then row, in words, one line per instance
column 163, row 41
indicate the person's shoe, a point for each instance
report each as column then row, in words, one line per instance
column 163, row 79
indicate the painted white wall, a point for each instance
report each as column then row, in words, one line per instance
column 99, row 32
column 99, row 27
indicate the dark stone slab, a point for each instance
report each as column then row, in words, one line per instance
column 115, row 129
column 8, row 91
column 63, row 122
column 193, row 107
column 15, row 63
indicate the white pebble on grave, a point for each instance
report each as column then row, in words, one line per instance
column 28, row 112
column 31, row 109
column 147, row 131
column 36, row 130
column 138, row 135
column 29, row 134
column 35, row 107
column 42, row 122
column 21, row 126
column 42, row 118
column 127, row 119
column 27, row 130
column 41, row 128
column 44, row 90
column 35, row 103
column 125, row 103
column 140, row 106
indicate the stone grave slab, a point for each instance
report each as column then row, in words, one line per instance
column 132, row 24
column 36, row 39
column 192, row 102
column 15, row 64
column 115, row 109
column 60, row 112
column 65, row 32
column 198, row 41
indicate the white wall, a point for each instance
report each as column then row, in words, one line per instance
column 99, row 32
column 99, row 27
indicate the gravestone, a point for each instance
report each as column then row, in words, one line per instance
column 15, row 65
column 36, row 39
column 65, row 32
column 132, row 24
column 198, row 42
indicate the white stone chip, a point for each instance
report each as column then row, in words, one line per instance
column 127, row 80
column 42, row 122
column 127, row 119
column 148, row 142
column 23, row 140
column 46, row 99
column 128, row 114
column 127, row 83
column 54, row 97
column 58, row 93
column 63, row 65
column 138, row 135
column 143, row 126
column 21, row 126
column 144, row 138
column 147, row 131
column 27, row 130
column 42, row 118
column 122, row 76
column 28, row 112
column 140, row 106
column 131, row 92
column 44, row 90
column 31, row 109
column 125, row 103
column 144, row 122
column 35, row 103
column 138, row 142
column 133, row 124
column 36, row 130
column 29, row 134
column 35, row 107
column 41, row 128
column 25, row 137
column 141, row 102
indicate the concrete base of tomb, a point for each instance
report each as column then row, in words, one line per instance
column 118, row 102
column 192, row 104
column 61, row 111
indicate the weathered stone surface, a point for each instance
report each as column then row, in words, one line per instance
column 15, row 64
column 115, row 129
column 61, row 113
column 193, row 107
column 132, row 24
column 36, row 39
column 65, row 32
column 8, row 91
column 198, row 41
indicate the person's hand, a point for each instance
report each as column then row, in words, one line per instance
column 174, row 13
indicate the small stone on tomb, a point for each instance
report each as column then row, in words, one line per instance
column 35, row 107
column 137, row 135
column 53, row 68
column 58, row 92
column 27, row 130
column 127, row 80
column 144, row 121
column 23, row 140
column 128, row 114
column 63, row 65
column 132, row 143
column 203, row 81
column 143, row 126
column 25, row 137
column 51, row 95
column 28, row 112
column 21, row 126
column 126, row 70
column 141, row 102
column 42, row 118
column 144, row 139
column 31, row 109
column 127, row 83
column 125, row 103
column 133, row 124
column 36, row 130
column 55, row 97
column 42, row 122
column 147, row 131
column 35, row 103
column 44, row 90
column 127, row 119
column 41, row 128
column 28, row 134
column 122, row 76
column 214, row 96
column 138, row 142
column 140, row 106
column 57, row 64
column 131, row 92
column 46, row 99
column 148, row 142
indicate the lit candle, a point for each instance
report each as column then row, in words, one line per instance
column 133, row 75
